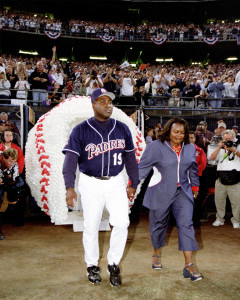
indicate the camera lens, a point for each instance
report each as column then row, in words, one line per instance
column 229, row 144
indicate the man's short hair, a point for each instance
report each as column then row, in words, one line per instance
column 10, row 152
column 192, row 132
column 229, row 131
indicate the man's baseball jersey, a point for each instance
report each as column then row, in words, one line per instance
column 101, row 152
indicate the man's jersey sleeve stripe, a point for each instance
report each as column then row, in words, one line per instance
column 71, row 151
column 129, row 150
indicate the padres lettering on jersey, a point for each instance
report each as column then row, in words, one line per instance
column 101, row 153
column 95, row 150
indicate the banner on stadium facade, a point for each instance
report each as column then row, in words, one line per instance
column 210, row 40
column 53, row 34
column 106, row 38
column 158, row 41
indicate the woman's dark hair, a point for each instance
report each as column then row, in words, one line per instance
column 165, row 133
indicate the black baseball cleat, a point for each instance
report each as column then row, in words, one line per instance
column 93, row 274
column 115, row 278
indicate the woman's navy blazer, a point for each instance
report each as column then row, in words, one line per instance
column 169, row 169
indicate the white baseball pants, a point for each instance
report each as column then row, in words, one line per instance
column 95, row 194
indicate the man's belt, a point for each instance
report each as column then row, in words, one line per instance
column 103, row 178
column 100, row 178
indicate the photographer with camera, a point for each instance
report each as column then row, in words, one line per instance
column 227, row 156
column 11, row 188
column 93, row 82
column 127, row 83
column 218, row 133
column 203, row 136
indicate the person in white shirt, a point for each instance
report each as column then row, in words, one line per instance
column 227, row 156
column 127, row 83
column 59, row 76
column 164, row 79
column 93, row 82
column 231, row 91
column 22, row 87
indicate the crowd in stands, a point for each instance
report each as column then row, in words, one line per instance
column 173, row 32
column 51, row 81
column 13, row 20
column 29, row 22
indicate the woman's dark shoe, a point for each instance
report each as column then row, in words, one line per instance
column 156, row 265
column 193, row 276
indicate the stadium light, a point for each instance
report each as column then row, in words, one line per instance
column 133, row 65
column 196, row 63
column 231, row 58
column 98, row 57
column 63, row 59
column 28, row 52
column 164, row 59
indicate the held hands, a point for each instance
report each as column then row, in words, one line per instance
column 71, row 197
column 130, row 192
column 195, row 194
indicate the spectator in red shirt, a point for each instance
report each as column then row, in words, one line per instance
column 7, row 137
column 200, row 154
column 201, row 160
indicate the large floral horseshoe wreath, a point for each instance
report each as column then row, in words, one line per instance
column 44, row 158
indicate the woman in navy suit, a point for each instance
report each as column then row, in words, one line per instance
column 172, row 188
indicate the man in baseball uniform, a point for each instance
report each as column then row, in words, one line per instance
column 101, row 146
